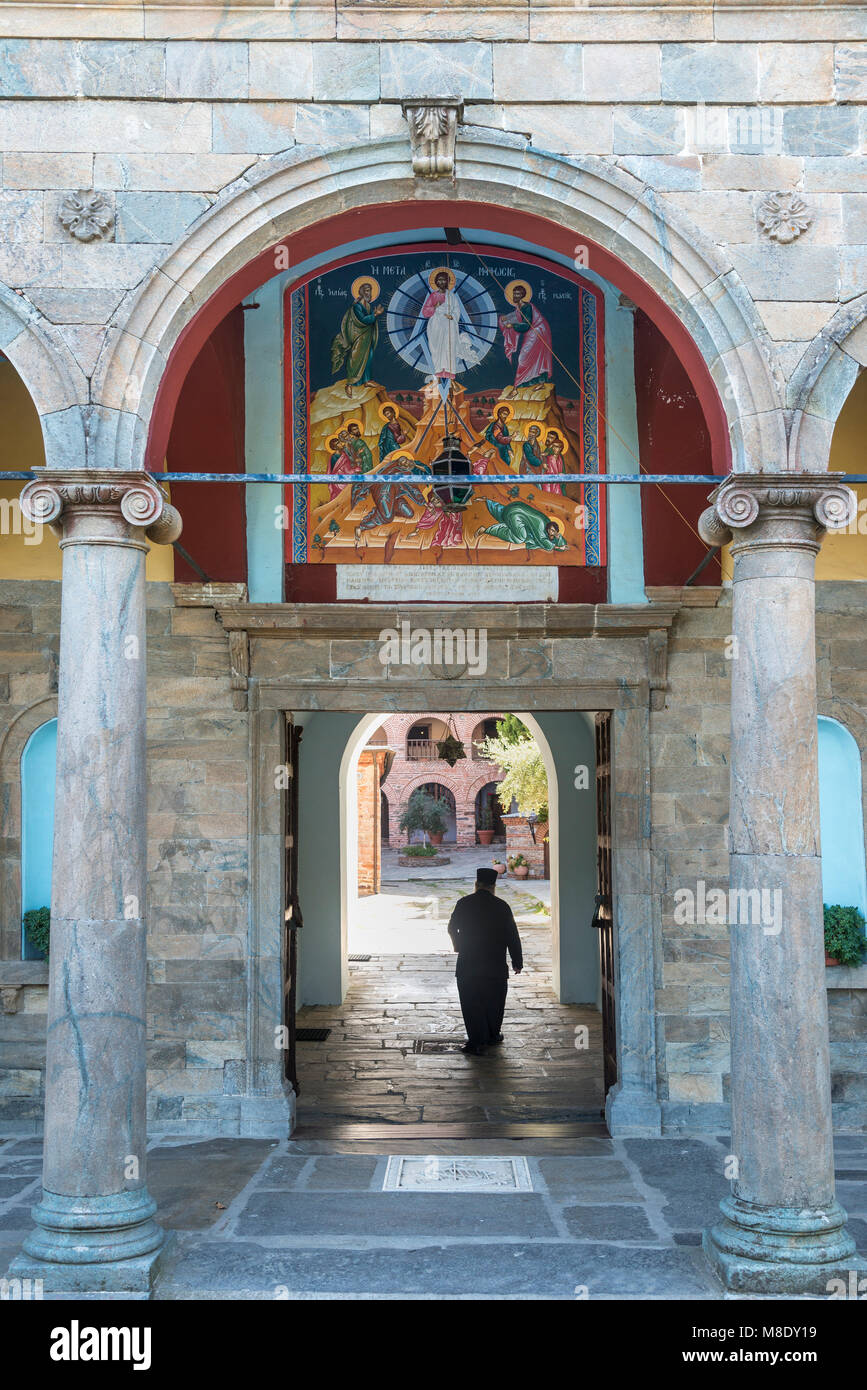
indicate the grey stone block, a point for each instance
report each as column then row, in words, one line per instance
column 399, row 1213
column 614, row 1223
column 820, row 130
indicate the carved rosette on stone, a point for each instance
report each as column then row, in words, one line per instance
column 102, row 507
column 784, row 216
column 433, row 124
column 87, row 215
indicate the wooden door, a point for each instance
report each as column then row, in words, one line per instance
column 603, row 917
column 292, row 921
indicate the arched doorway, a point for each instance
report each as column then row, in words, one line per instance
column 445, row 800
column 489, row 815
column 398, row 966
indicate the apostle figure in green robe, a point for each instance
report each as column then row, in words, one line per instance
column 521, row 524
column 352, row 348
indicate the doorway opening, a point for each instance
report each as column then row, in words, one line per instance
column 393, row 1028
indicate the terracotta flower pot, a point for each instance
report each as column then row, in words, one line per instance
column 831, row 960
column 499, row 866
column 436, row 836
column 485, row 836
column 521, row 871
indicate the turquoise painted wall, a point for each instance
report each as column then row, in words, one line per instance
column 263, row 439
column 38, row 764
column 844, row 877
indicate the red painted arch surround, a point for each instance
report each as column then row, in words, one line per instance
column 333, row 232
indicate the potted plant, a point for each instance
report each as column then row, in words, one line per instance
column 844, row 935
column 37, row 928
column 486, row 826
column 424, row 813
column 518, row 866
column 499, row 865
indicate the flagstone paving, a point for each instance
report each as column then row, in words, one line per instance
column 265, row 1219
column 308, row 1218
column 549, row 1068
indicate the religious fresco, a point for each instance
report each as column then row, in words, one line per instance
column 436, row 367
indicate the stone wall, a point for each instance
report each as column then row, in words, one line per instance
column 198, row 768
column 197, row 857
column 158, row 108
column 690, row 791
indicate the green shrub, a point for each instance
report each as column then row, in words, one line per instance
column 844, row 934
column 423, row 813
column 37, row 928
column 420, row 852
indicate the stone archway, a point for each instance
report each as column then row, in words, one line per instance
column 54, row 380
column 662, row 262
column 822, row 382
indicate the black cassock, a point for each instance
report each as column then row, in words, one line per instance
column 482, row 930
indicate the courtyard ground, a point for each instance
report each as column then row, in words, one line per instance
column 260, row 1219
column 511, row 1186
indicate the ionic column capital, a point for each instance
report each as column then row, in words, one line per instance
column 101, row 507
column 760, row 509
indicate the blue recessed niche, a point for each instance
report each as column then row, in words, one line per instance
column 844, row 879
column 38, row 764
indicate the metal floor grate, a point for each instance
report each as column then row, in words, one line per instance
column 359, row 957
column 436, row 1044
column 311, row 1034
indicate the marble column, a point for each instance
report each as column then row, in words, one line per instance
column 95, row 1223
column 782, row 1230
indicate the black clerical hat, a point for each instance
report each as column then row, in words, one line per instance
column 486, row 878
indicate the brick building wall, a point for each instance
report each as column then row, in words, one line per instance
column 465, row 780
column 368, row 777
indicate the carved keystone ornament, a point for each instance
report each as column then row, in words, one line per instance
column 433, row 125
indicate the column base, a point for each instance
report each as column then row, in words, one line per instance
column 781, row 1250
column 83, row 1231
column 632, row 1114
column 131, row 1276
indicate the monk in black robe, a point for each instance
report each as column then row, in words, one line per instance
column 482, row 930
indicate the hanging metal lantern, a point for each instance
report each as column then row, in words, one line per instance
column 452, row 462
column 450, row 749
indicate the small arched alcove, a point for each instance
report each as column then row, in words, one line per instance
column 38, row 764
column 844, row 878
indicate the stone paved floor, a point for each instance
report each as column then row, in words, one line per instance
column 367, row 1070
column 464, row 862
column 256, row 1218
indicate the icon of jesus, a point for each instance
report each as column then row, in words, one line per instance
column 450, row 347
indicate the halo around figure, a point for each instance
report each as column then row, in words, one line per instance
column 333, row 442
column 442, row 270
column 509, row 291
column 502, row 405
column 555, row 521
column 391, row 406
column 365, row 280
column 564, row 442
column 536, row 424
column 354, row 421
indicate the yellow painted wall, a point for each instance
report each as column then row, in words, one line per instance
column 843, row 554
column 21, row 448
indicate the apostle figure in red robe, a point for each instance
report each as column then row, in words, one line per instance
column 528, row 333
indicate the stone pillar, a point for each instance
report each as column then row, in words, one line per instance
column 782, row 1230
column 95, row 1223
